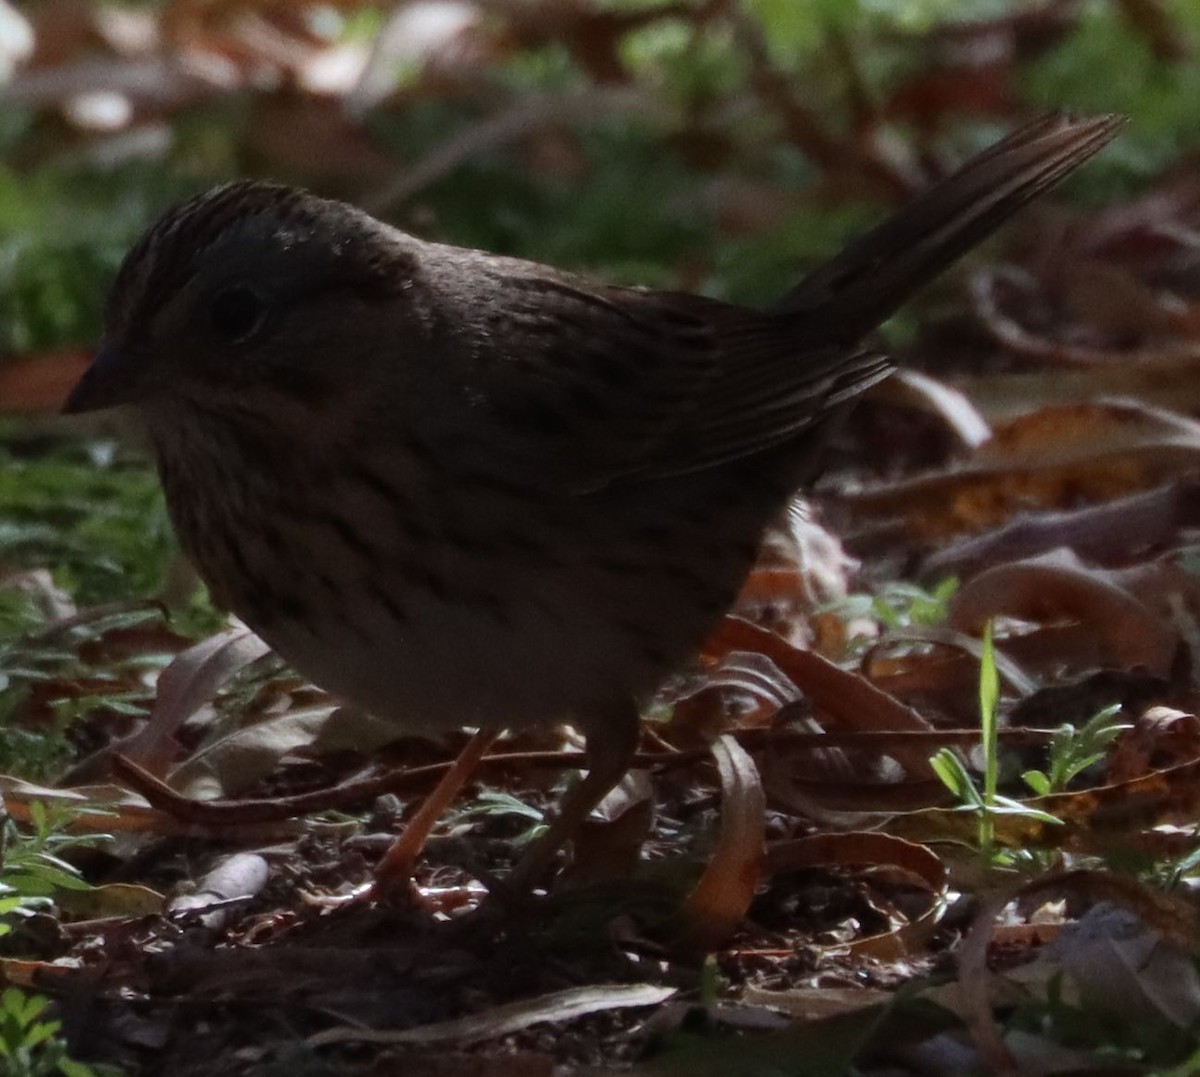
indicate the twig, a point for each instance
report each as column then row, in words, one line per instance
column 353, row 795
column 522, row 118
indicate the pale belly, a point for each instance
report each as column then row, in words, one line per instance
column 447, row 613
column 449, row 665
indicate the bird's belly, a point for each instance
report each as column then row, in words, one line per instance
column 488, row 614
column 448, row 665
column 524, row 647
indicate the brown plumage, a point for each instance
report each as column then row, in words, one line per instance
column 459, row 489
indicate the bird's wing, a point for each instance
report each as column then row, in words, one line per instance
column 593, row 384
column 588, row 384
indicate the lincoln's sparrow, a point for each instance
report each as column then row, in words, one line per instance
column 464, row 490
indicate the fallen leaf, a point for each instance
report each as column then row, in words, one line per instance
column 1049, row 459
column 113, row 899
column 719, row 901
column 190, row 681
column 512, row 1017
column 1058, row 587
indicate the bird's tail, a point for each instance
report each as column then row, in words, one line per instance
column 855, row 291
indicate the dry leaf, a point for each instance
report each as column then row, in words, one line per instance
column 190, row 681
column 512, row 1017
column 1052, row 458
column 720, row 899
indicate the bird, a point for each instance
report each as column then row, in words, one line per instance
column 464, row 490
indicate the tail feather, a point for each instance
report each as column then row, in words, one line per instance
column 854, row 292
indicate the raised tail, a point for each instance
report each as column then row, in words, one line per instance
column 854, row 292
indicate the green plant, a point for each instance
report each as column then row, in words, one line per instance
column 899, row 604
column 495, row 804
column 1072, row 750
column 895, row 606
column 88, row 509
column 34, row 651
column 31, row 869
column 29, row 1042
column 986, row 803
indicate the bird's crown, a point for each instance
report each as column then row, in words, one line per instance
column 252, row 222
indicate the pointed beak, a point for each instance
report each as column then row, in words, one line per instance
column 109, row 381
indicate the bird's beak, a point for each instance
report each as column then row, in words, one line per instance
column 109, row 381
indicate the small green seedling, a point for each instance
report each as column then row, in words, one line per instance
column 1072, row 751
column 986, row 803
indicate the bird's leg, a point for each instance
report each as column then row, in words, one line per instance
column 612, row 735
column 393, row 874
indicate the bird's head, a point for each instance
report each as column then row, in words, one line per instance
column 250, row 292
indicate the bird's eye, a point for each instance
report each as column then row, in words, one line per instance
column 237, row 313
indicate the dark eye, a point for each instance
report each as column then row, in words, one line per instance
column 237, row 313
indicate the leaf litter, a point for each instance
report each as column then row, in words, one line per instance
column 784, row 818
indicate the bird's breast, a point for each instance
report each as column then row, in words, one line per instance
column 441, row 604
